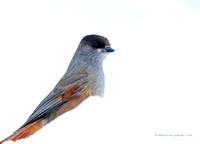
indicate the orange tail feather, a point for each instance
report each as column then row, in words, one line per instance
column 25, row 131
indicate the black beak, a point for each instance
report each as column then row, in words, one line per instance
column 108, row 49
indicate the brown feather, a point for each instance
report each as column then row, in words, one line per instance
column 25, row 131
column 84, row 94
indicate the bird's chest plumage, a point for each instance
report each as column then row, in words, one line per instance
column 97, row 81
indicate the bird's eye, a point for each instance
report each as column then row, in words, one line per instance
column 95, row 44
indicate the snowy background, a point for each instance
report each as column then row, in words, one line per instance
column 152, row 79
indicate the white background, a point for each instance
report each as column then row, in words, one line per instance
column 152, row 79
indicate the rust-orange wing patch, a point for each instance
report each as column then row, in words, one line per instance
column 66, row 94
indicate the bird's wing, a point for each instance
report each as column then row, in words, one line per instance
column 56, row 98
column 66, row 90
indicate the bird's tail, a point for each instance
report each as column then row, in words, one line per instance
column 25, row 131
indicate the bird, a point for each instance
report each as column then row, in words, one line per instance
column 83, row 78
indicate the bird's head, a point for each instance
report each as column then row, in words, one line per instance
column 92, row 50
column 96, row 43
column 95, row 46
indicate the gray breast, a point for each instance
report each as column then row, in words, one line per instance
column 97, row 81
